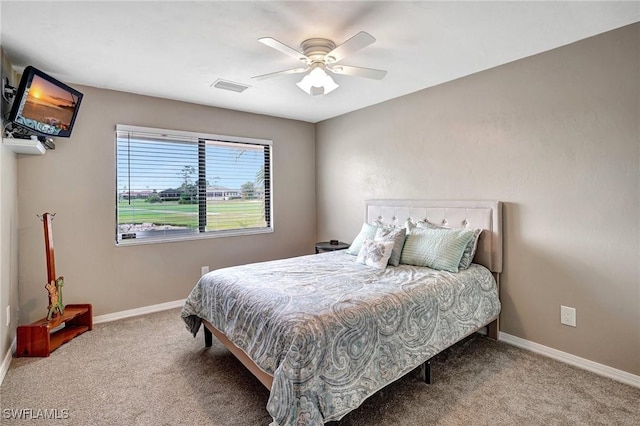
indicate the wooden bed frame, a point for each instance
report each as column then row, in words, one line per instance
column 265, row 378
column 455, row 214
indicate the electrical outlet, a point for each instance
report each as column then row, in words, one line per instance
column 568, row 316
column 8, row 314
column 204, row 270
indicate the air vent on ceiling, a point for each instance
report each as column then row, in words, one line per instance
column 229, row 85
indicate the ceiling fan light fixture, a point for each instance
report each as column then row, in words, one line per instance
column 329, row 85
column 321, row 55
column 317, row 79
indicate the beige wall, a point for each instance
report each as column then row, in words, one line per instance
column 77, row 182
column 8, row 230
column 556, row 137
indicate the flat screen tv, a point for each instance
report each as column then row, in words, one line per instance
column 44, row 105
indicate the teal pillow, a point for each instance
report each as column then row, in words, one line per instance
column 470, row 249
column 436, row 248
column 367, row 231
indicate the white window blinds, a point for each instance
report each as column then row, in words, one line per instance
column 181, row 185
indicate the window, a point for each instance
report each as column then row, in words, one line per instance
column 174, row 185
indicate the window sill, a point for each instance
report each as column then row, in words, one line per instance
column 193, row 237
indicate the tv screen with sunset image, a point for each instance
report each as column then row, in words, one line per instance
column 46, row 105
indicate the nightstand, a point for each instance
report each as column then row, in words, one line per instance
column 325, row 246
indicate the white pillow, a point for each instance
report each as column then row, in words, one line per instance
column 375, row 253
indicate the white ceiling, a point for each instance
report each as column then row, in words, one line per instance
column 176, row 50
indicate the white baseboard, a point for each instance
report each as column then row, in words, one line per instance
column 585, row 364
column 4, row 367
column 138, row 311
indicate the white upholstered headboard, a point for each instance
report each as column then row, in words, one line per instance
column 455, row 214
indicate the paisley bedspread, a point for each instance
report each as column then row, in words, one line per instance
column 332, row 331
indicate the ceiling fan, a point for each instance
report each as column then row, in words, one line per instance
column 319, row 56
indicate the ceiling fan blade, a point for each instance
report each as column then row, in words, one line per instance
column 350, row 46
column 279, row 73
column 358, row 71
column 290, row 51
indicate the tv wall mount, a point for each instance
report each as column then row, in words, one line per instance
column 8, row 91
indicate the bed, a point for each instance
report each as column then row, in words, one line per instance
column 323, row 332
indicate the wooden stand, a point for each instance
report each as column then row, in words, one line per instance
column 39, row 339
column 61, row 324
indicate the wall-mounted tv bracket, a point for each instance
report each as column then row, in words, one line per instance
column 8, row 91
column 14, row 133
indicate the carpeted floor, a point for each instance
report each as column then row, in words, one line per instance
column 149, row 370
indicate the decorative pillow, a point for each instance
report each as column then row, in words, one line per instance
column 367, row 231
column 470, row 249
column 375, row 253
column 397, row 235
column 436, row 248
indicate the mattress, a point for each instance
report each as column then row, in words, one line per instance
column 331, row 331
